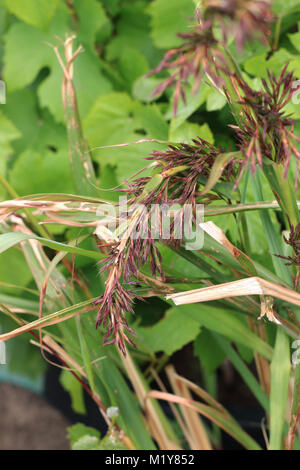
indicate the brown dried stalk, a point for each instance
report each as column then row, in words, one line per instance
column 247, row 286
column 81, row 163
column 244, row 287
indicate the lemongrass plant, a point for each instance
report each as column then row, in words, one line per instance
column 244, row 302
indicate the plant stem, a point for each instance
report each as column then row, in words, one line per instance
column 277, row 33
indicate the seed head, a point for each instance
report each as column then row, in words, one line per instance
column 202, row 53
column 197, row 56
column 267, row 131
column 243, row 19
column 181, row 166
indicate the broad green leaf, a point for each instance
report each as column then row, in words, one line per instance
column 34, row 12
column 169, row 19
column 112, row 6
column 86, row 71
column 258, row 65
column 176, row 266
column 151, row 119
column 13, row 268
column 207, row 350
column 185, row 110
column 190, row 130
column 294, row 38
column 87, row 443
column 92, row 18
column 23, row 40
column 25, row 364
column 3, row 25
column 169, row 335
column 109, row 121
column 71, row 385
column 144, row 87
column 8, row 134
column 110, row 442
column 215, row 100
column 226, row 322
column 79, row 430
column 286, row 7
column 132, row 65
column 115, row 119
column 133, row 30
column 8, row 131
column 35, row 172
column 38, row 129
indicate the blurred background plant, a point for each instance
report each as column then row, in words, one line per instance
column 107, row 52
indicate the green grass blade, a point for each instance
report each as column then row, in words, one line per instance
column 281, row 269
column 280, row 374
column 85, row 354
column 243, row 370
column 7, row 240
column 228, row 323
column 52, row 319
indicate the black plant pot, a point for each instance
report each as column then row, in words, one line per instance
column 249, row 418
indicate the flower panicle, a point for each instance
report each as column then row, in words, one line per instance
column 196, row 56
column 267, row 131
column 243, row 19
column 114, row 304
column 181, row 166
column 201, row 53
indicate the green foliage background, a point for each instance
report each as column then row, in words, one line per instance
column 123, row 40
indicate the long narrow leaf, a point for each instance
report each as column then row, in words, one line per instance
column 7, row 240
column 280, row 373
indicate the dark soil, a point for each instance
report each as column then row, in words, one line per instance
column 28, row 422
